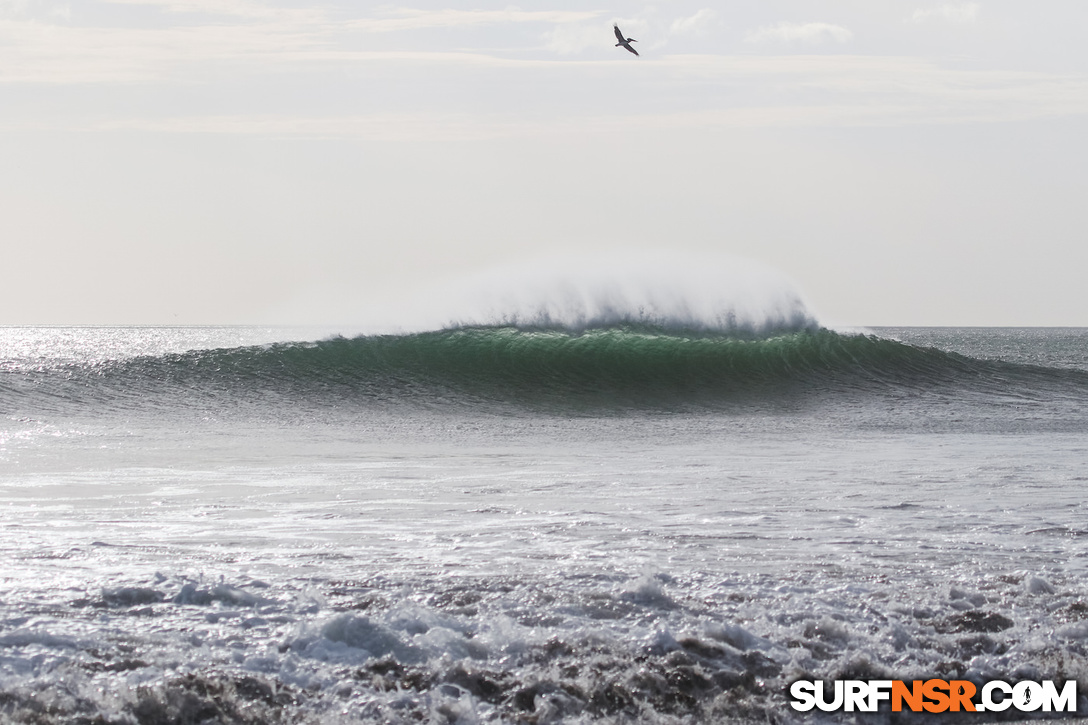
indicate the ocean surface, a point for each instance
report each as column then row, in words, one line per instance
column 615, row 521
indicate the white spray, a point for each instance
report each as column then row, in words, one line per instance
column 670, row 291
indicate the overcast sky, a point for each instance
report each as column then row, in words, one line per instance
column 233, row 161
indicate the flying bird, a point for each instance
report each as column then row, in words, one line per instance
column 625, row 42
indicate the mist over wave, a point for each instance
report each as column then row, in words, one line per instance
column 663, row 291
column 626, row 332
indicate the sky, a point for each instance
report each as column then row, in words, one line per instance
column 240, row 161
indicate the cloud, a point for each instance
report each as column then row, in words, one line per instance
column 810, row 33
column 571, row 39
column 410, row 19
column 51, row 50
column 805, row 91
column 12, row 8
column 696, row 24
column 33, row 51
column 950, row 13
column 390, row 20
column 22, row 9
column 233, row 8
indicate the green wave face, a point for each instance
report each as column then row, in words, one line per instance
column 509, row 361
column 616, row 367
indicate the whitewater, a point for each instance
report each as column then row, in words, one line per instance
column 574, row 502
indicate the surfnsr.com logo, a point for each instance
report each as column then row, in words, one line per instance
column 934, row 696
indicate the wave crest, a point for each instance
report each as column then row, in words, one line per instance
column 611, row 368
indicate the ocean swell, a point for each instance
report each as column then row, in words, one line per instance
column 625, row 366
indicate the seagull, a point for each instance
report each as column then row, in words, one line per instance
column 625, row 42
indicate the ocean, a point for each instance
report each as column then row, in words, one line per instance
column 613, row 521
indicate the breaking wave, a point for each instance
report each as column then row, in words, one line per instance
column 625, row 366
column 650, row 332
